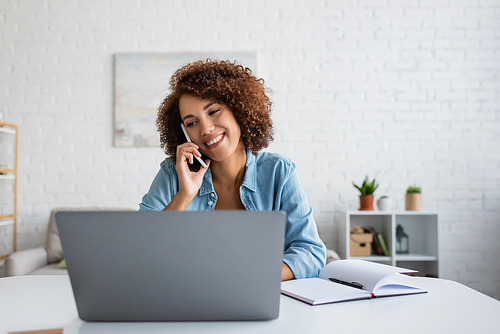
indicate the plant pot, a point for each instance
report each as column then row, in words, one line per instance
column 384, row 204
column 413, row 202
column 366, row 202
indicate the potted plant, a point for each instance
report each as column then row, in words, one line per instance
column 366, row 189
column 413, row 198
column 384, row 203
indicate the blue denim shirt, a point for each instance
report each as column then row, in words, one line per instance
column 270, row 183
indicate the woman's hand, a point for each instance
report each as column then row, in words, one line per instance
column 189, row 182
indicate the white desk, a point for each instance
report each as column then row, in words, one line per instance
column 43, row 302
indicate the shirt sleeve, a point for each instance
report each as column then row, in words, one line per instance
column 161, row 191
column 305, row 252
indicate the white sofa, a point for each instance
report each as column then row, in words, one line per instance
column 45, row 260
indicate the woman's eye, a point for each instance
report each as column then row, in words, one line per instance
column 189, row 124
column 213, row 112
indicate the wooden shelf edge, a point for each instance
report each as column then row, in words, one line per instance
column 10, row 125
column 4, row 171
column 3, row 257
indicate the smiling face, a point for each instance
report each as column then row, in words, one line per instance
column 211, row 126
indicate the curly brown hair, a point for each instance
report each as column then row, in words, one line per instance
column 223, row 82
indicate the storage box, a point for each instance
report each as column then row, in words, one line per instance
column 361, row 244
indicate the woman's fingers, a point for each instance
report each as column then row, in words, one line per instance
column 189, row 182
column 186, row 151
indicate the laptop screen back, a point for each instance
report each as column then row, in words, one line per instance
column 174, row 266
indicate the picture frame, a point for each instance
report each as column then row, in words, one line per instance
column 140, row 85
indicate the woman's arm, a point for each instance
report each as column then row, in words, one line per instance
column 286, row 273
column 305, row 252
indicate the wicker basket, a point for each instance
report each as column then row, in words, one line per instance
column 414, row 202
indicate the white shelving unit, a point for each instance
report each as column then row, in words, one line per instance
column 422, row 229
column 8, row 174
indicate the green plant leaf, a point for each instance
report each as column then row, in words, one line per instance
column 367, row 188
column 414, row 190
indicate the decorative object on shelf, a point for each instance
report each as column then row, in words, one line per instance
column 384, row 203
column 366, row 189
column 413, row 198
column 376, row 246
column 384, row 245
column 402, row 241
column 2, row 116
column 361, row 242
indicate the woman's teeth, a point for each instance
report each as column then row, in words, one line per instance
column 213, row 141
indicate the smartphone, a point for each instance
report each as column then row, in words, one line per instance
column 200, row 160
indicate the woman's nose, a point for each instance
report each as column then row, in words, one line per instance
column 206, row 127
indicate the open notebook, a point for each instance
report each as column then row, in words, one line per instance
column 346, row 280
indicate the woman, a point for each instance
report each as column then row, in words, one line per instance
column 226, row 113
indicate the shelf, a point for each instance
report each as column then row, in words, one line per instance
column 398, row 257
column 373, row 258
column 422, row 228
column 8, row 171
column 388, row 213
column 7, row 222
column 414, row 213
column 415, row 257
column 368, row 213
column 7, row 130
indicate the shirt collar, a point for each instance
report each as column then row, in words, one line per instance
column 250, row 180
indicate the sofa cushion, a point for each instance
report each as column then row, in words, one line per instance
column 53, row 242
column 25, row 261
column 50, row 269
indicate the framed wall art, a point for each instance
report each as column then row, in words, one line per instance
column 140, row 85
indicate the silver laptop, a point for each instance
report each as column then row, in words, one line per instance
column 174, row 266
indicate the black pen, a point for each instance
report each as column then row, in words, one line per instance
column 351, row 284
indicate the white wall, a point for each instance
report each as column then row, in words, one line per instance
column 405, row 91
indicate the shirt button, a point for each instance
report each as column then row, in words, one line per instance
column 210, row 202
column 212, row 194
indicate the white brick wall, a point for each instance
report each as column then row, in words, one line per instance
column 406, row 91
